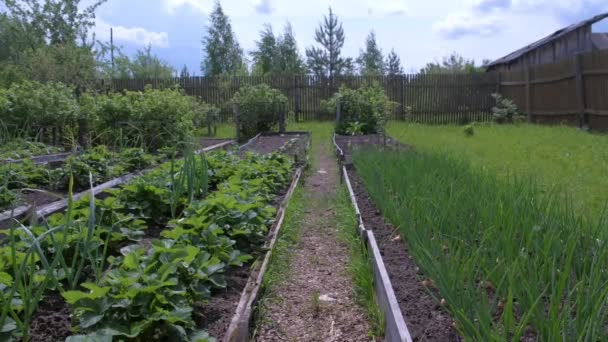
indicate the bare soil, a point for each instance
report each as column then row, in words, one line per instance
column 426, row 319
column 315, row 302
column 51, row 322
column 270, row 143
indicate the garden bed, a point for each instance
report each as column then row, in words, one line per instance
column 47, row 201
column 426, row 319
column 214, row 316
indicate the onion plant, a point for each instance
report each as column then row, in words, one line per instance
column 510, row 262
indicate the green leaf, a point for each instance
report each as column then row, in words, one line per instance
column 72, row 297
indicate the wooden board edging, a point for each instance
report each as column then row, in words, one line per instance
column 238, row 330
column 395, row 329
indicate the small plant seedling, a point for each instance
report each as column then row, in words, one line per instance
column 316, row 303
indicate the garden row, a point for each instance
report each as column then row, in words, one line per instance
column 477, row 256
column 39, row 184
column 141, row 261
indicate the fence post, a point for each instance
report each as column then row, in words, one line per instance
column 498, row 80
column 235, row 111
column 296, row 93
column 401, row 81
column 528, row 93
column 580, row 91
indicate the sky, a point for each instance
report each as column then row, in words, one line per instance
column 420, row 31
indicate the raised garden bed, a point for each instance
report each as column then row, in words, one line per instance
column 41, row 203
column 55, row 325
column 425, row 318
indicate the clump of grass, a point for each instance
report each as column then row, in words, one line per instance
column 508, row 260
column 359, row 263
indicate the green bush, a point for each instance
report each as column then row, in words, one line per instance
column 505, row 110
column 260, row 109
column 30, row 105
column 363, row 111
column 150, row 119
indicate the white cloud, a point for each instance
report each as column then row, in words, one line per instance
column 386, row 7
column 262, row 6
column 136, row 35
column 204, row 6
column 460, row 24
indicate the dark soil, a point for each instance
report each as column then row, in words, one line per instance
column 270, row 143
column 215, row 315
column 426, row 319
column 51, row 322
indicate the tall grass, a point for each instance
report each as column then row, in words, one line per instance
column 508, row 260
column 560, row 158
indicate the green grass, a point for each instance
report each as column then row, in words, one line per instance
column 559, row 158
column 359, row 263
column 224, row 131
column 507, row 259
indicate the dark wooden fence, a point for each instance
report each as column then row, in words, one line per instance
column 420, row 97
column 572, row 91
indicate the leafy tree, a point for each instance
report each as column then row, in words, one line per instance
column 326, row 60
column 46, row 40
column 184, row 73
column 371, row 61
column 147, row 65
column 265, row 57
column 393, row 64
column 452, row 64
column 223, row 54
column 289, row 61
column 57, row 22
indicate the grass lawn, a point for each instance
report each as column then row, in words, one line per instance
column 562, row 159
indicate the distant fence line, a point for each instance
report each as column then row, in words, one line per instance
column 420, row 97
column 572, row 91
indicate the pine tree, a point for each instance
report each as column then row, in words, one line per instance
column 185, row 73
column 223, row 54
column 265, row 57
column 393, row 64
column 289, row 61
column 326, row 60
column 371, row 61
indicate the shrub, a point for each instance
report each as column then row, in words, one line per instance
column 260, row 109
column 363, row 111
column 469, row 130
column 30, row 105
column 505, row 110
column 150, row 119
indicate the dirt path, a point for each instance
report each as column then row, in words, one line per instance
column 316, row 302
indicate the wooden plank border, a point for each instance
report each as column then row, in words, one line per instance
column 238, row 330
column 53, row 207
column 395, row 329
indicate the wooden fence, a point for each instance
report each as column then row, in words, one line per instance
column 572, row 91
column 420, row 97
